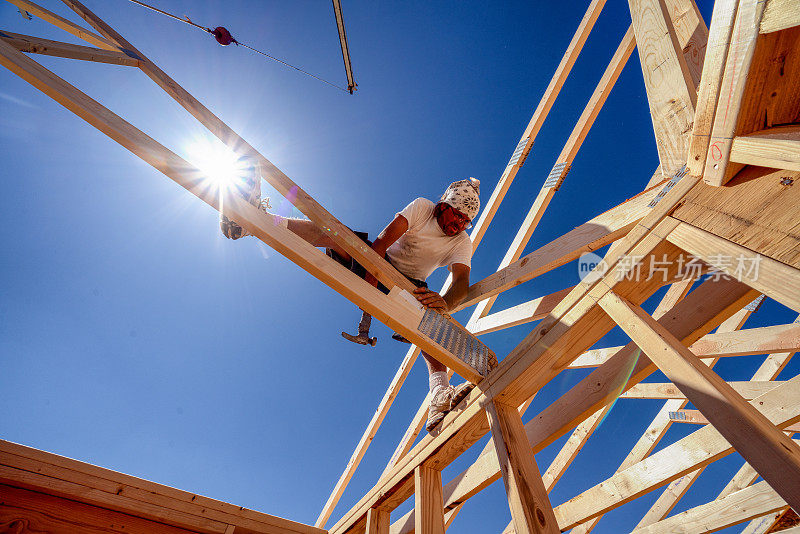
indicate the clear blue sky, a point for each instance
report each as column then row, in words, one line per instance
column 135, row 337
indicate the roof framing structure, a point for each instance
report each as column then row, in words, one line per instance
column 726, row 121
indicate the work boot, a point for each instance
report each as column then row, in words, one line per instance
column 363, row 332
column 440, row 404
column 460, row 393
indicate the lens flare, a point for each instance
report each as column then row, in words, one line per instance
column 222, row 166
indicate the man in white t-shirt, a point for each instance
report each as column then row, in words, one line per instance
column 422, row 237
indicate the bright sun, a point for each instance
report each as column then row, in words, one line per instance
column 221, row 165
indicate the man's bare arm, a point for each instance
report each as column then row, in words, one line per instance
column 386, row 238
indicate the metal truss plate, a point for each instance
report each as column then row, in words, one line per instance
column 557, row 175
column 517, row 156
column 668, row 186
column 753, row 306
column 457, row 341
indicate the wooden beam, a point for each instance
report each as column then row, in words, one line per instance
column 592, row 235
column 531, row 510
column 38, row 45
column 692, row 34
column 428, row 500
column 40, row 471
column 533, row 310
column 775, row 279
column 563, row 162
column 696, row 417
column 734, row 509
column 732, row 89
column 64, row 24
column 779, row 15
column 767, row 449
column 719, row 36
column 671, row 93
column 668, row 390
column 781, row 405
column 377, row 521
column 764, row 524
column 774, row 147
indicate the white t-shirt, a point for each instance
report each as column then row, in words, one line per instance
column 425, row 247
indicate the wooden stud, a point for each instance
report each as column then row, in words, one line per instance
column 737, row 66
column 671, row 93
column 774, row 147
column 779, row 15
column 38, row 45
column 531, row 510
column 753, row 435
column 668, row 390
column 377, row 521
column 775, row 279
column 733, row 509
column 428, row 508
column 64, row 24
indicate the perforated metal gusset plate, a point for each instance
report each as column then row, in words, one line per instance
column 680, row 173
column 557, row 175
column 517, row 155
column 457, row 341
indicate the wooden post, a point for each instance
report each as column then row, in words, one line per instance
column 428, row 505
column 378, row 521
column 531, row 510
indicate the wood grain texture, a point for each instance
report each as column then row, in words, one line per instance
column 428, row 507
column 38, row 45
column 779, row 15
column 778, row 148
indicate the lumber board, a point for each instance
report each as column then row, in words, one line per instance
column 719, row 36
column 671, row 93
column 765, row 447
column 668, row 390
column 763, row 524
column 775, row 279
column 47, row 47
column 66, row 25
column 692, row 34
column 687, row 454
column 779, row 15
column 777, row 148
column 530, row 506
column 67, row 478
column 734, row 509
column 754, row 210
column 377, row 521
column 428, row 500
column 533, row 310
column 28, row 512
column 696, row 417
column 592, row 235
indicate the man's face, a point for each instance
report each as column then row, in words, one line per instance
column 452, row 221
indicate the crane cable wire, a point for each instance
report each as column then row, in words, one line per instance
column 224, row 38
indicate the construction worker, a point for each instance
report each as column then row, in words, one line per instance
column 422, row 237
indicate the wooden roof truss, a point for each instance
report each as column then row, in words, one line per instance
column 726, row 120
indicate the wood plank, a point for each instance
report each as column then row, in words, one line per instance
column 377, row 521
column 779, row 15
column 530, row 506
column 719, row 36
column 38, row 45
column 763, row 524
column 533, row 310
column 774, row 147
column 773, row 278
column 732, row 90
column 696, row 417
column 734, row 509
column 692, row 34
column 671, row 93
column 668, row 390
column 781, row 406
column 28, row 512
column 64, row 24
column 592, row 235
column 56, row 475
column 767, row 449
column 429, row 517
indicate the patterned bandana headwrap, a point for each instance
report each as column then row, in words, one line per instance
column 463, row 196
